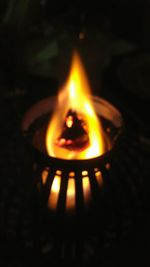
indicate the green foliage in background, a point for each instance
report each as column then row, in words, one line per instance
column 19, row 13
column 16, row 11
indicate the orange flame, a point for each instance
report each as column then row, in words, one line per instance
column 75, row 95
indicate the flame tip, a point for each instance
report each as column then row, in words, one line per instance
column 74, row 96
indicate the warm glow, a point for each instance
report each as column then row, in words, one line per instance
column 74, row 95
column 54, row 192
column 71, row 190
column 45, row 173
column 70, row 199
column 84, row 173
column 98, row 176
column 86, row 189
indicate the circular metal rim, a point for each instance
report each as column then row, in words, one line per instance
column 47, row 104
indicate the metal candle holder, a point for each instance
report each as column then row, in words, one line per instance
column 92, row 170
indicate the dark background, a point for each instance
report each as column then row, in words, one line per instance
column 36, row 40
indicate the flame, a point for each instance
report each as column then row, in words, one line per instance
column 75, row 95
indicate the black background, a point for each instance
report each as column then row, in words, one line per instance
column 20, row 87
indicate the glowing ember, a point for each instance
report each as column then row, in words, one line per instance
column 74, row 131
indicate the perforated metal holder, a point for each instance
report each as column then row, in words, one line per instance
column 88, row 205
